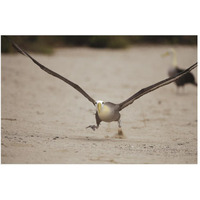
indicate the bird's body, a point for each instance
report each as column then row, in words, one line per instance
column 107, row 111
column 186, row 79
column 175, row 70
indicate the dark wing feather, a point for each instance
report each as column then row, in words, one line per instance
column 154, row 87
column 187, row 78
column 75, row 86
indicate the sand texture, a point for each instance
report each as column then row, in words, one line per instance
column 44, row 120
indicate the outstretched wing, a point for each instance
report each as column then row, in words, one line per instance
column 75, row 86
column 154, row 87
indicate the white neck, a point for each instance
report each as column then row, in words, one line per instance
column 174, row 59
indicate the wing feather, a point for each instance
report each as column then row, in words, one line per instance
column 75, row 86
column 154, row 87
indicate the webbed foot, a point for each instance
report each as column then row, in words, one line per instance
column 93, row 127
column 120, row 134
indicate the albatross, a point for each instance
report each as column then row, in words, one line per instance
column 174, row 70
column 107, row 111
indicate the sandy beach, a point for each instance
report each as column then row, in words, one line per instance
column 44, row 120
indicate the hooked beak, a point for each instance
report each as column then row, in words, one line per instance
column 99, row 107
column 165, row 54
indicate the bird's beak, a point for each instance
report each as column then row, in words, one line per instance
column 165, row 54
column 99, row 107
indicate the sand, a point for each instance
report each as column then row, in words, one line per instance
column 43, row 120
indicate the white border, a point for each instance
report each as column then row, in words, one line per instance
column 99, row 181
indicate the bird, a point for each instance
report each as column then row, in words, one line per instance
column 174, row 70
column 107, row 111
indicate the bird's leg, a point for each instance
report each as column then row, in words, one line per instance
column 177, row 90
column 183, row 89
column 120, row 133
column 98, row 121
column 93, row 127
column 180, row 90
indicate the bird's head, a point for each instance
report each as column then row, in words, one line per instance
column 170, row 51
column 99, row 105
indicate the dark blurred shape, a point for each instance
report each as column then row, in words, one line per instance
column 45, row 44
column 189, row 40
column 40, row 44
column 109, row 41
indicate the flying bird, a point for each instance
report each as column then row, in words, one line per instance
column 174, row 70
column 107, row 111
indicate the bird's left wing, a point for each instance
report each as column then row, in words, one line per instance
column 75, row 86
column 154, row 87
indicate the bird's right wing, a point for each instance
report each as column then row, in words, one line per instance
column 75, row 86
column 154, row 87
column 178, row 70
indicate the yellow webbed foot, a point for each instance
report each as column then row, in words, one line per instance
column 120, row 134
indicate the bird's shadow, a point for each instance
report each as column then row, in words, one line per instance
column 95, row 139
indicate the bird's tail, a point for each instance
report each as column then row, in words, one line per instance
column 195, row 84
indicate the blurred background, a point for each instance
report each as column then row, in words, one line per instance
column 45, row 44
column 44, row 120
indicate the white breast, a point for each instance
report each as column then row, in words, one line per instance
column 172, row 71
column 106, row 114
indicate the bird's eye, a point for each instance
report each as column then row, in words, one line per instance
column 102, row 102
